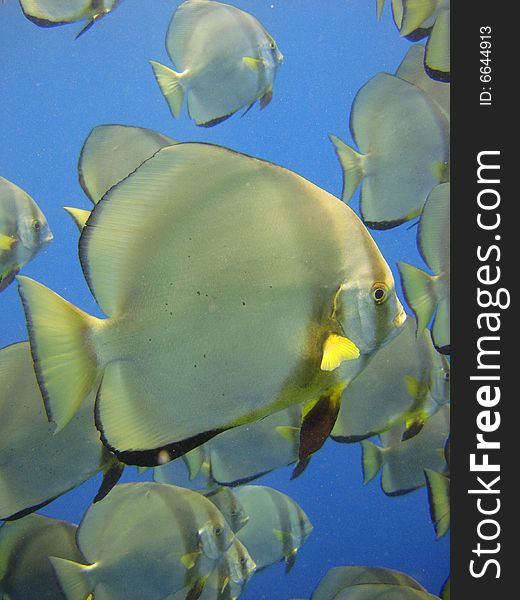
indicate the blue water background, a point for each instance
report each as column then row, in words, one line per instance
column 54, row 90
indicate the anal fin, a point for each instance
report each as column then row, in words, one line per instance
column 318, row 422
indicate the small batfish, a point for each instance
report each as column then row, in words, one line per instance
column 50, row 13
column 404, row 148
column 341, row 578
column 239, row 455
column 404, row 462
column 23, row 231
column 145, row 541
column 227, row 581
column 25, row 548
column 37, row 466
column 250, row 451
column 277, row 526
column 407, row 381
column 429, row 295
column 225, row 60
column 267, row 291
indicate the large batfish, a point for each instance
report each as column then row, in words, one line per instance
column 230, row 296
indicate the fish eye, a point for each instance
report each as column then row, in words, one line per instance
column 272, row 45
column 379, row 293
column 446, row 375
column 218, row 530
column 36, row 225
column 243, row 560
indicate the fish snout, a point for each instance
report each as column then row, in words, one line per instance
column 400, row 317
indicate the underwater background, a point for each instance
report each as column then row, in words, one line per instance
column 54, row 90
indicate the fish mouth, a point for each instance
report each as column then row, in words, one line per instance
column 400, row 318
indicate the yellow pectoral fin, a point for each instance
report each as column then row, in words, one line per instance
column 287, row 432
column 6, row 242
column 224, row 584
column 189, row 559
column 255, row 64
column 414, row 387
column 336, row 350
column 282, row 536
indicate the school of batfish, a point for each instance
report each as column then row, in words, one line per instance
column 249, row 316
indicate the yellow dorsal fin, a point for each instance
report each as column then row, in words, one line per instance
column 255, row 64
column 415, row 388
column 336, row 350
column 190, row 558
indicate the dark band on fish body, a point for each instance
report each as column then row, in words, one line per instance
column 352, row 439
column 442, row 76
column 242, row 481
column 216, row 121
column 444, row 349
column 151, row 457
column 29, row 510
column 43, row 22
column 402, row 492
column 418, row 34
column 7, row 280
column 382, row 225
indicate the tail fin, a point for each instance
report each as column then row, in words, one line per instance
column 72, row 577
column 419, row 289
column 170, row 83
column 353, row 165
column 64, row 361
column 372, row 460
column 439, row 500
column 79, row 215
